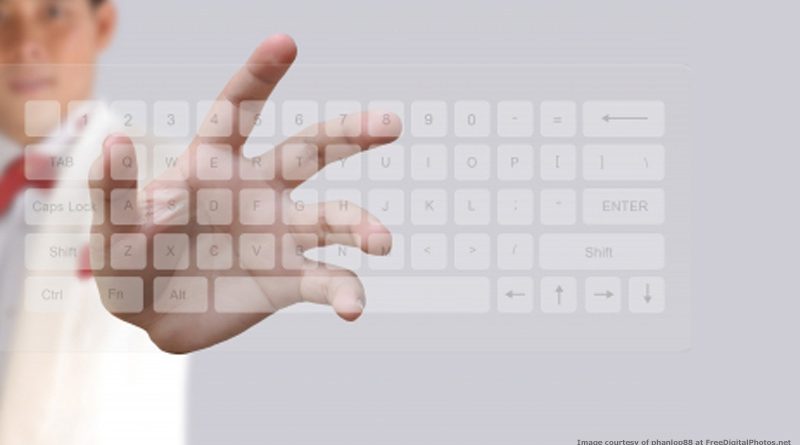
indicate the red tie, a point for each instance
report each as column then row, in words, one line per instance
column 14, row 181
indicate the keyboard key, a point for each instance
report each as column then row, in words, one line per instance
column 257, row 119
column 429, row 162
column 42, row 117
column 429, row 207
column 250, row 295
column 214, row 207
column 64, row 166
column 69, row 207
column 472, row 162
column 429, row 251
column 558, row 162
column 347, row 213
column 132, row 116
column 423, row 294
column 632, row 119
column 80, row 113
column 254, row 166
column 340, row 110
column 300, row 161
column 623, row 206
column 344, row 197
column 171, row 119
column 601, row 251
column 293, row 250
column 341, row 165
column 472, row 251
column 50, row 294
column 128, row 251
column 122, row 295
column 515, row 119
column 124, row 207
column 394, row 260
column 337, row 255
column 646, row 295
column 558, row 119
column 172, row 207
column 297, row 115
column 515, row 207
column 515, row 162
column 57, row 252
column 214, row 162
column 166, row 159
column 214, row 251
column 514, row 295
column 257, row 207
column 472, row 118
column 384, row 109
column 515, row 251
column 126, row 167
column 215, row 118
column 386, row 163
column 171, row 251
column 388, row 205
column 558, row 207
column 623, row 162
column 303, row 203
column 429, row 119
column 558, row 295
column 472, row 207
column 603, row 295
column 183, row 295
column 257, row 251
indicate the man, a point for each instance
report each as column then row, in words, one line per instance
column 71, row 376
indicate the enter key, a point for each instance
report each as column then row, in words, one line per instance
column 623, row 206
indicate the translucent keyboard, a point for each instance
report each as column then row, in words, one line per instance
column 532, row 207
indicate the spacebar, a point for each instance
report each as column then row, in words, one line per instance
column 428, row 294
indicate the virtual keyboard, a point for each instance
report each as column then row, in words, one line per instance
column 532, row 207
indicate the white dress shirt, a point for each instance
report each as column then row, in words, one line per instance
column 12, row 240
column 12, row 234
column 78, row 376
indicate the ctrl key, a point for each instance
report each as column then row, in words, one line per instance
column 121, row 295
column 49, row 294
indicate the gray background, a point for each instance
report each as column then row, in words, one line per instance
column 740, row 377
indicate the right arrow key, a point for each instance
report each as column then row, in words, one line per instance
column 603, row 295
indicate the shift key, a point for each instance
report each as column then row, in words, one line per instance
column 601, row 251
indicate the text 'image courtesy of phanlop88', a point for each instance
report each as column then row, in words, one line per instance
column 532, row 207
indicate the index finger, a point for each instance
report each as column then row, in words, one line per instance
column 250, row 86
